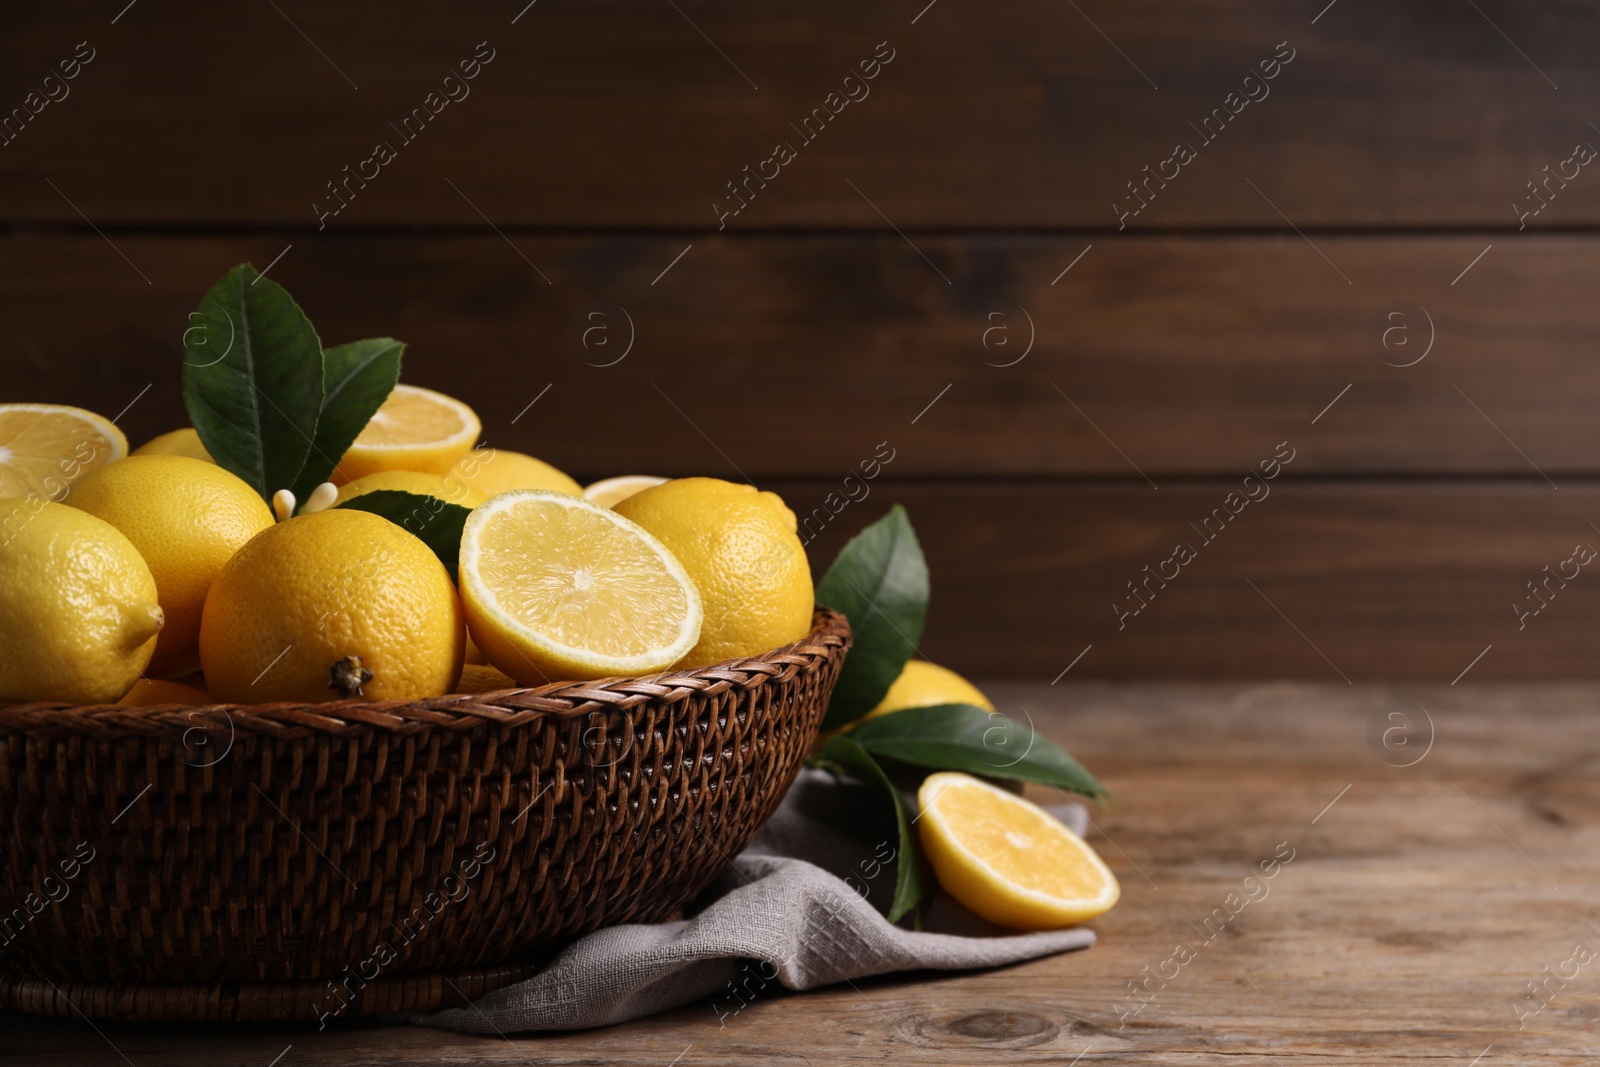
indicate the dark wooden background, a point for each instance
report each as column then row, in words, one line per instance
column 880, row 271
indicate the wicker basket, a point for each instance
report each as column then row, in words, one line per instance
column 296, row 861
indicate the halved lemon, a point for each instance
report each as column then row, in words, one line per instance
column 557, row 587
column 416, row 429
column 44, row 448
column 1006, row 859
column 608, row 492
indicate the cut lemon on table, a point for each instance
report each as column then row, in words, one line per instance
column 416, row 429
column 1006, row 859
column 610, row 492
column 557, row 587
column 44, row 448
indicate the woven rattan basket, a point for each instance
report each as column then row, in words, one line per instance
column 302, row 861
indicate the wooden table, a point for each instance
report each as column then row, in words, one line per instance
column 1419, row 902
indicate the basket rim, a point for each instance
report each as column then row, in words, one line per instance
column 829, row 636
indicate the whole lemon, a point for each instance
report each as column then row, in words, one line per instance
column 446, row 487
column 738, row 546
column 924, row 685
column 184, row 442
column 493, row 471
column 187, row 518
column 336, row 604
column 78, row 610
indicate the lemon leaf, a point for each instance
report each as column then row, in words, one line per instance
column 252, row 379
column 879, row 581
column 436, row 522
column 356, row 379
column 913, row 882
column 962, row 737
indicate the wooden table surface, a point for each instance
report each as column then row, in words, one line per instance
column 1419, row 903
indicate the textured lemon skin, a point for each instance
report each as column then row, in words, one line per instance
column 150, row 692
column 78, row 608
column 924, row 685
column 534, row 657
column 744, row 557
column 184, row 442
column 312, row 590
column 427, row 455
column 446, row 487
column 481, row 678
column 493, row 471
column 977, row 887
column 187, row 518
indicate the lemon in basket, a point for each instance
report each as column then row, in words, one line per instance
column 187, row 518
column 44, row 448
column 184, row 442
column 613, row 491
column 1006, row 859
column 416, row 429
column 556, row 587
column 446, row 487
column 492, row 471
column 78, row 610
column 336, row 604
column 741, row 550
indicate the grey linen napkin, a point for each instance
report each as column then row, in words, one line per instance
column 796, row 908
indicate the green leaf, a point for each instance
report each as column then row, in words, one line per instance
column 356, row 379
column 435, row 521
column 913, row 883
column 880, row 582
column 252, row 379
column 961, row 737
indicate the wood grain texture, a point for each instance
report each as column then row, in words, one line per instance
column 607, row 114
column 1320, row 580
column 1418, row 902
column 796, row 356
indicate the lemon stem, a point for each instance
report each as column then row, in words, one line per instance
column 347, row 676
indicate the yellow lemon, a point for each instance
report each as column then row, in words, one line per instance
column 924, row 685
column 446, row 487
column 1006, row 859
column 556, row 587
column 44, row 448
column 609, row 492
column 481, row 678
column 493, row 471
column 474, row 653
column 150, row 692
column 788, row 514
column 184, row 442
column 334, row 604
column 745, row 559
column 78, row 608
column 187, row 518
column 416, row 429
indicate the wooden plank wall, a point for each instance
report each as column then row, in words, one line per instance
column 1341, row 270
